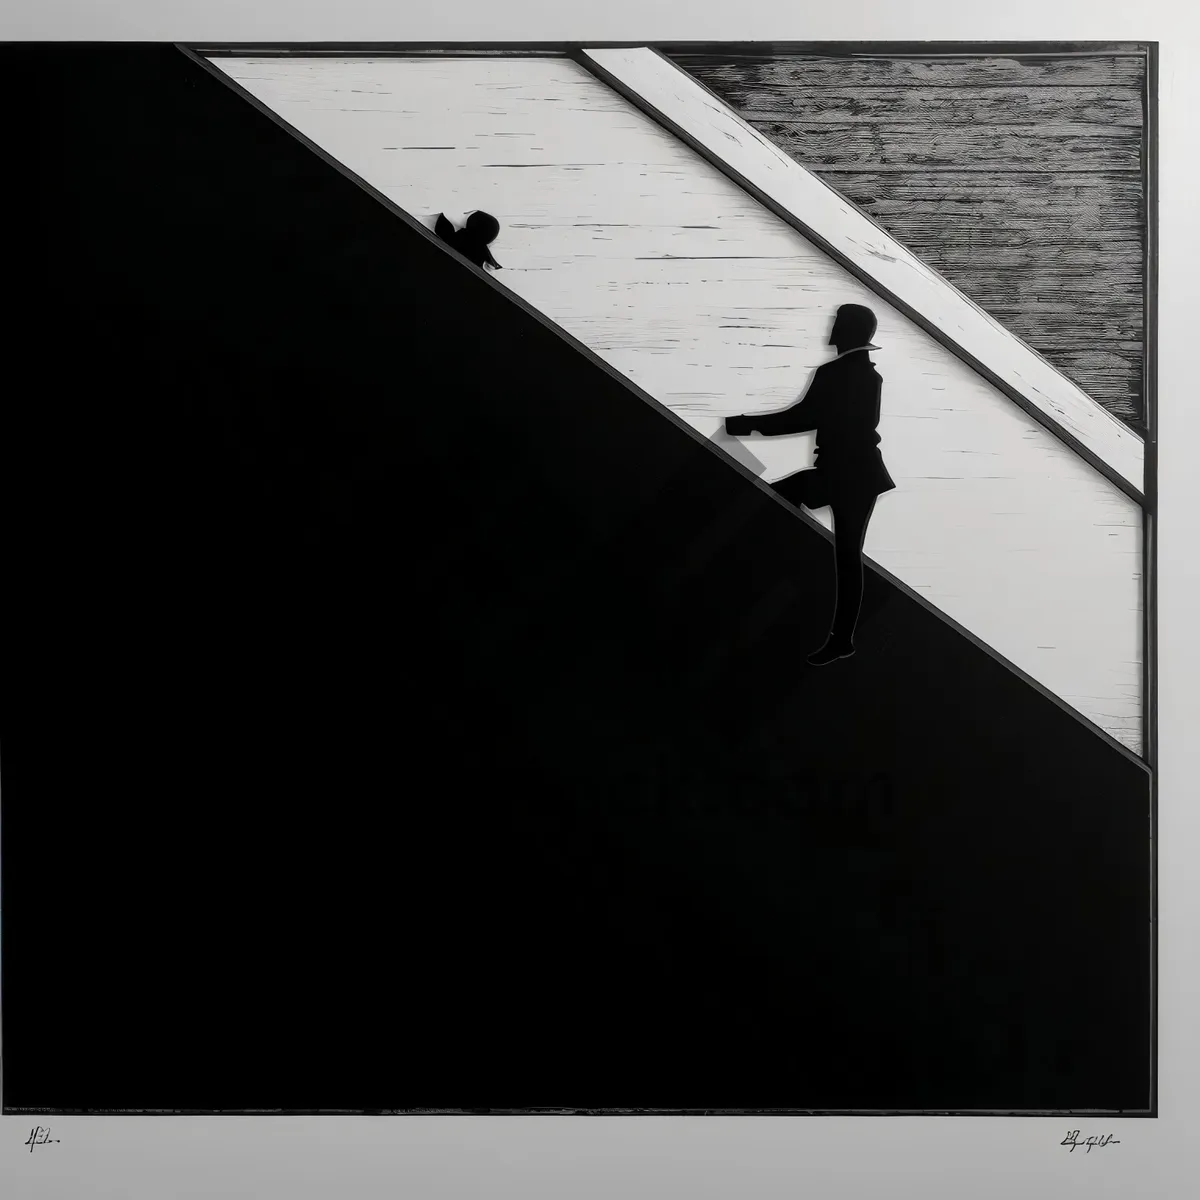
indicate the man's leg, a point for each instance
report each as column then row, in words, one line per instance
column 850, row 519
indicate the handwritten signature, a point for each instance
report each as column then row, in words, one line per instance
column 1072, row 1140
column 40, row 1137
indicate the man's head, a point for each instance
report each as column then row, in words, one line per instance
column 854, row 326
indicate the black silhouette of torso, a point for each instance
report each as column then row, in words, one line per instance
column 842, row 404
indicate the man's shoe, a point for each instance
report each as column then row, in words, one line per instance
column 831, row 652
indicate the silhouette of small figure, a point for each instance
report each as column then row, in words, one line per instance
column 842, row 403
column 473, row 239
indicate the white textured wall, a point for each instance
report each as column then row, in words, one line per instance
column 631, row 242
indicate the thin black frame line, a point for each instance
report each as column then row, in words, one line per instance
column 754, row 49
column 384, row 50
column 882, row 168
column 910, row 50
column 4, row 896
column 590, row 355
column 1150, row 531
column 1151, row 401
column 566, row 1110
column 1122, row 1113
column 863, row 276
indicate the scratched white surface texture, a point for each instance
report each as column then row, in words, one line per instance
column 696, row 110
column 630, row 241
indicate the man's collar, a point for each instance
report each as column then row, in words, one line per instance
column 868, row 346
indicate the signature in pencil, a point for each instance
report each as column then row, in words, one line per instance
column 1073, row 1140
column 40, row 1137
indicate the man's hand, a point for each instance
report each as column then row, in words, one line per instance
column 739, row 426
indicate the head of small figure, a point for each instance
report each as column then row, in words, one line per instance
column 483, row 227
column 853, row 326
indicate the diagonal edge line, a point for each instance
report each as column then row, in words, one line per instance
column 628, row 384
column 1131, row 755
column 464, row 264
column 863, row 276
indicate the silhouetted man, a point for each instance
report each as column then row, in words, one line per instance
column 842, row 405
column 473, row 239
